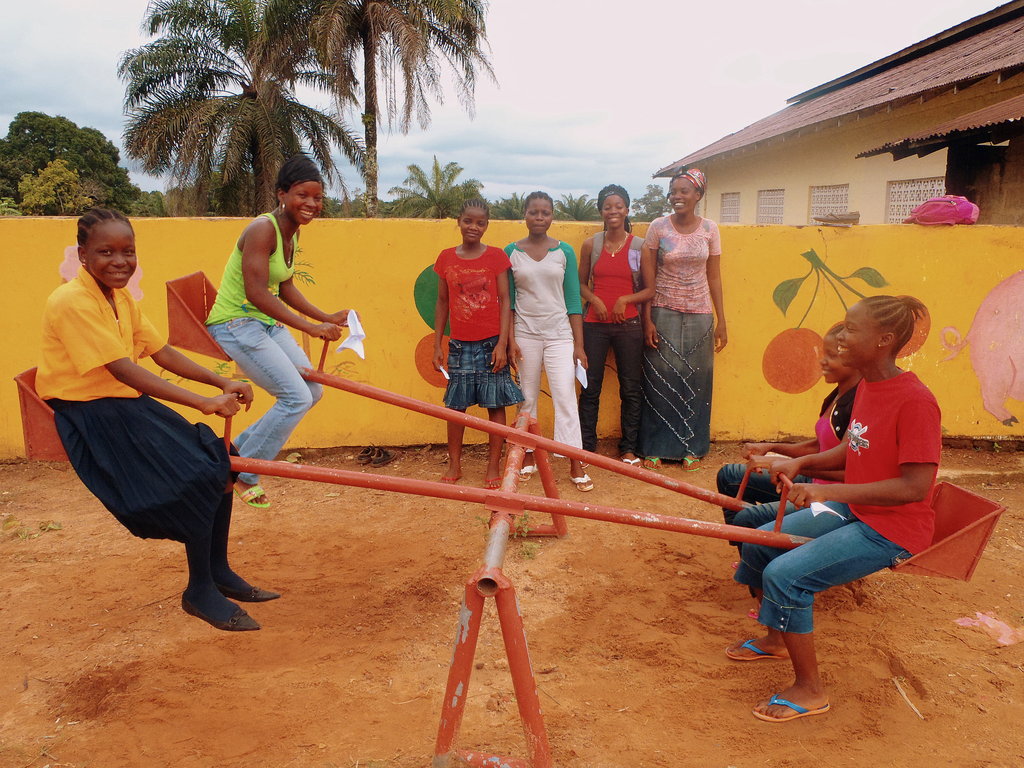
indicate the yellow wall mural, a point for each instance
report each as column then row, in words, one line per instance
column 968, row 276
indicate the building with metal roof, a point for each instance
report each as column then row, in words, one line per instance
column 943, row 115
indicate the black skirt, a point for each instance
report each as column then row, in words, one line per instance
column 161, row 476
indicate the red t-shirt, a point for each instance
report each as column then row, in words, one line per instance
column 612, row 278
column 894, row 422
column 473, row 292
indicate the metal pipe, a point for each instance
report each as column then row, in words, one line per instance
column 529, row 440
column 516, row 501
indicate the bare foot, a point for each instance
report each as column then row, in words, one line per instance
column 814, row 702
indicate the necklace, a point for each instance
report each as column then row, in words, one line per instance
column 613, row 252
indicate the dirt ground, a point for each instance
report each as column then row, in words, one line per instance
column 627, row 626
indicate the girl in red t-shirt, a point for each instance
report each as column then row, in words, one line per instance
column 472, row 294
column 877, row 517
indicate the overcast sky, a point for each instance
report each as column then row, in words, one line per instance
column 588, row 92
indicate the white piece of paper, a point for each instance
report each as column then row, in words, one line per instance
column 445, row 374
column 356, row 334
column 818, row 508
column 581, row 374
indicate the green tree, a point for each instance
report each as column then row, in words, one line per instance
column 582, row 208
column 150, row 204
column 56, row 190
column 35, row 139
column 402, row 47
column 435, row 196
column 215, row 94
column 652, row 204
column 508, row 208
column 8, row 207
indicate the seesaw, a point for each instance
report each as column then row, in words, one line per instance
column 964, row 521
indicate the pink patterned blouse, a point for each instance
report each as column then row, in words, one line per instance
column 682, row 277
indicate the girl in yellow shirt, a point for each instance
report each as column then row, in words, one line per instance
column 159, row 475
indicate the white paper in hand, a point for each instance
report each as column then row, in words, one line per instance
column 445, row 374
column 818, row 508
column 356, row 334
column 581, row 374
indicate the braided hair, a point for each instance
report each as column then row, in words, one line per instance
column 95, row 216
column 297, row 169
column 895, row 314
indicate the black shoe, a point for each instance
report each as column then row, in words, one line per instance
column 240, row 621
column 250, row 595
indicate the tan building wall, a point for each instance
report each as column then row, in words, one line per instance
column 373, row 266
column 828, row 156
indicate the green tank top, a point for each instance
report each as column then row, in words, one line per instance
column 231, row 300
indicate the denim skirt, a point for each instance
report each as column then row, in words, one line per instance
column 471, row 380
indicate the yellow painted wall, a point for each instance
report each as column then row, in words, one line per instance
column 827, row 154
column 372, row 266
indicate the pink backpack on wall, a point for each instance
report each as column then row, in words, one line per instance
column 948, row 209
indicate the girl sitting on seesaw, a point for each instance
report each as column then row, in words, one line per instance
column 833, row 420
column 159, row 475
column 876, row 518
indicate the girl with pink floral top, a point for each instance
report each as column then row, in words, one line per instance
column 682, row 335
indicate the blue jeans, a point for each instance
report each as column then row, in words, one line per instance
column 627, row 343
column 270, row 357
column 844, row 549
column 760, row 493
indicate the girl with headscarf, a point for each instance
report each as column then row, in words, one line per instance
column 614, row 281
column 682, row 335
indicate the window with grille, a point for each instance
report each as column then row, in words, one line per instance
column 904, row 196
column 834, row 198
column 730, row 212
column 769, row 205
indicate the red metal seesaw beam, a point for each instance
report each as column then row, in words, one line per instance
column 516, row 436
column 508, row 500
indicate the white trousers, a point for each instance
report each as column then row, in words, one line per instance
column 555, row 358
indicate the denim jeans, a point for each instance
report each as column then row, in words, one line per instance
column 270, row 357
column 760, row 493
column 844, row 549
column 627, row 343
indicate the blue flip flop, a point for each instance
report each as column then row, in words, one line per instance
column 797, row 709
column 761, row 655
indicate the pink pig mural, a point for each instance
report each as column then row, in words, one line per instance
column 996, row 339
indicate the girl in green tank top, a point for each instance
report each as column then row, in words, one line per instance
column 257, row 299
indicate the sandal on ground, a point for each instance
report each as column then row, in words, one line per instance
column 250, row 494
column 798, row 711
column 527, row 472
column 634, row 462
column 691, row 463
column 365, row 456
column 583, row 483
column 492, row 483
column 450, row 480
column 759, row 654
column 383, row 456
column 652, row 462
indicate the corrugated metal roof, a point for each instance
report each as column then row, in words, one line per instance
column 995, row 114
column 991, row 50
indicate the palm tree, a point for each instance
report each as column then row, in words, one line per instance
column 508, row 208
column 582, row 208
column 403, row 45
column 436, row 196
column 214, row 97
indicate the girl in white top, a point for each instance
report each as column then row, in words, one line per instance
column 548, row 325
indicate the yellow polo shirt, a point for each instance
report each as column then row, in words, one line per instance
column 81, row 334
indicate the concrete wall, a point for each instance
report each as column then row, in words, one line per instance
column 827, row 154
column 373, row 266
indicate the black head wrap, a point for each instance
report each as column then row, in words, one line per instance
column 615, row 189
